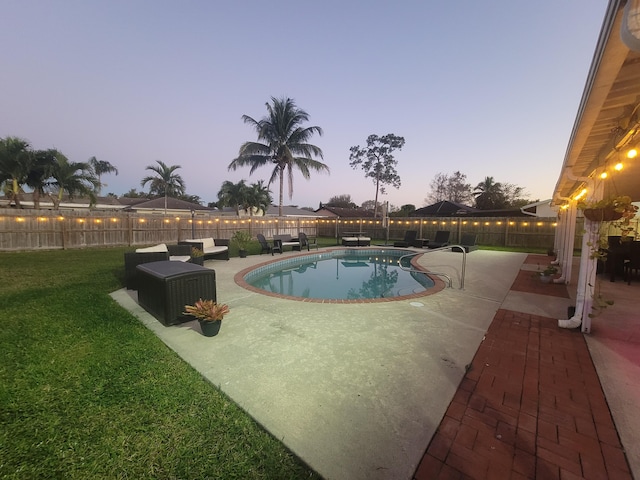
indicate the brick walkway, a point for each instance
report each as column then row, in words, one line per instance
column 530, row 406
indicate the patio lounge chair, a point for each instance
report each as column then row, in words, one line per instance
column 468, row 242
column 263, row 244
column 409, row 237
column 441, row 239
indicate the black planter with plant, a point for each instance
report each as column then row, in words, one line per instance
column 197, row 256
column 209, row 314
column 241, row 240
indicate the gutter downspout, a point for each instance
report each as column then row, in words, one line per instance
column 583, row 301
column 586, row 272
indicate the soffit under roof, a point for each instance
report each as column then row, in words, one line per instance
column 610, row 100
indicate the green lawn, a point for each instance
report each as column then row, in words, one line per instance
column 86, row 391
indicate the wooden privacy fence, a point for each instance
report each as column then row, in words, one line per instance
column 46, row 229
column 496, row 231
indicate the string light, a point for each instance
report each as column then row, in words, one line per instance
column 581, row 194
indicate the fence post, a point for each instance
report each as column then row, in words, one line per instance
column 506, row 232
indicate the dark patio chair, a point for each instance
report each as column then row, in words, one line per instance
column 441, row 239
column 633, row 263
column 264, row 244
column 467, row 242
column 409, row 237
column 277, row 246
column 305, row 242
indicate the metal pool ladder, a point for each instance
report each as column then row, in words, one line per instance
column 448, row 247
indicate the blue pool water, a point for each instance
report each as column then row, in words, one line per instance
column 341, row 275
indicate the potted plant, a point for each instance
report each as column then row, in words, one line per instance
column 209, row 313
column 614, row 212
column 197, row 256
column 241, row 239
column 609, row 209
column 547, row 274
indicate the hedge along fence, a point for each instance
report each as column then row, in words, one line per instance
column 496, row 231
column 47, row 229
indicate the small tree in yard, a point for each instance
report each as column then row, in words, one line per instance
column 378, row 162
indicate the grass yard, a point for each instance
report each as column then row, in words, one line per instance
column 86, row 391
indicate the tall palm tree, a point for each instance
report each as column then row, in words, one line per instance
column 489, row 194
column 165, row 181
column 16, row 158
column 73, row 178
column 100, row 167
column 284, row 144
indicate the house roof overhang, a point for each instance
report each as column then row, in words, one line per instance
column 608, row 118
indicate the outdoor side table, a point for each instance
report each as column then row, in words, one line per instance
column 164, row 288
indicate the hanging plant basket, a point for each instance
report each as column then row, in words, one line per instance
column 606, row 214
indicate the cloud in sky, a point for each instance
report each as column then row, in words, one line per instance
column 487, row 88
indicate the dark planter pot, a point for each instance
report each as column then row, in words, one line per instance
column 197, row 260
column 545, row 278
column 602, row 214
column 242, row 253
column 210, row 329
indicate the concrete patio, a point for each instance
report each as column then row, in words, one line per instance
column 358, row 390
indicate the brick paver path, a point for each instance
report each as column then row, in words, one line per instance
column 530, row 407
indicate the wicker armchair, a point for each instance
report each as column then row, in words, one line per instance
column 133, row 259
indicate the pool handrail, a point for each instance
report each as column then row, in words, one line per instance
column 448, row 247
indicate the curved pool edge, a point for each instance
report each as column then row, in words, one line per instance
column 438, row 286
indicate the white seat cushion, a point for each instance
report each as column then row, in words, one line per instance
column 208, row 243
column 156, row 248
column 180, row 258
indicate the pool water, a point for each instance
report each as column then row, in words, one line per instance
column 341, row 275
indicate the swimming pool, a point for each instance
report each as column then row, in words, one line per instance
column 340, row 275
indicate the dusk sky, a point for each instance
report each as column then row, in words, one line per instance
column 489, row 88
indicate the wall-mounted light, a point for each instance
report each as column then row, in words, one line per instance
column 632, row 153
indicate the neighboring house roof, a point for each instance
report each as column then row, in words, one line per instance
column 132, row 200
column 343, row 212
column 157, row 204
column 290, row 211
column 445, row 208
column 45, row 202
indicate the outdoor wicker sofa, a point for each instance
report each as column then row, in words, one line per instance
column 213, row 248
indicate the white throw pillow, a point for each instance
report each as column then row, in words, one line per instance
column 156, row 248
column 208, row 243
